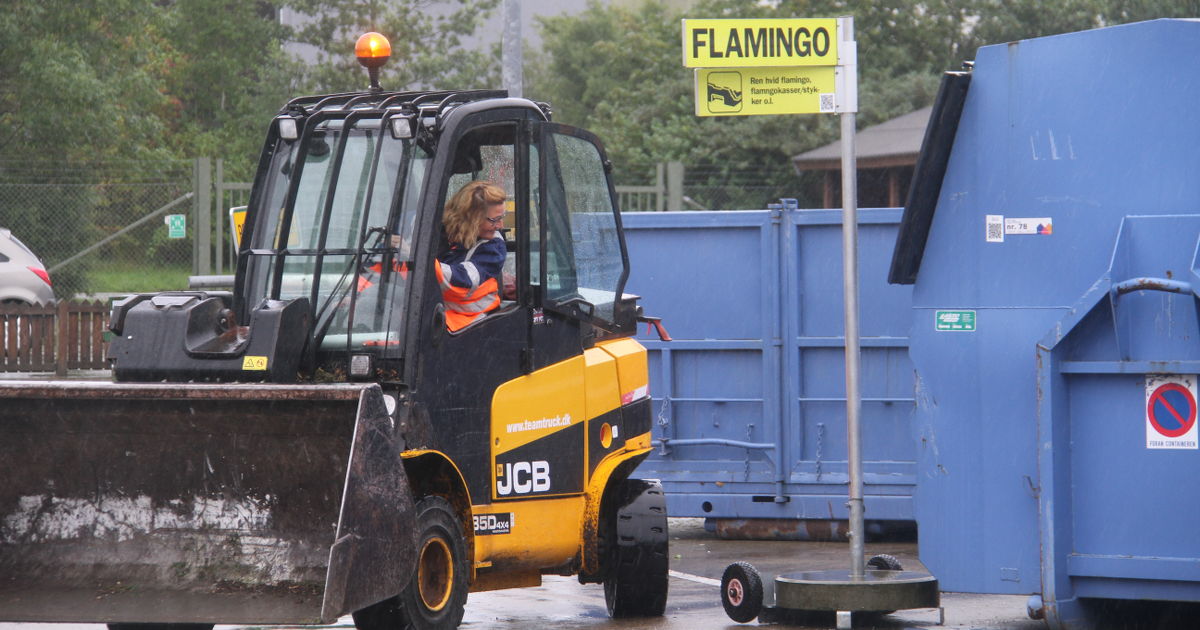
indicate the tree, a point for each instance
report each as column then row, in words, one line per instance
column 80, row 73
column 80, row 82
column 96, row 95
column 428, row 49
column 228, row 76
column 617, row 68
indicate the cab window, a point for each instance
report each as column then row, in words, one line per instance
column 489, row 153
column 583, row 246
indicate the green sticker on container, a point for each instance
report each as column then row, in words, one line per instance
column 958, row 321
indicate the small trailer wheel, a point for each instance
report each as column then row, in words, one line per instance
column 884, row 562
column 741, row 592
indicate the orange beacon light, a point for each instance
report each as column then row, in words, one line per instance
column 373, row 50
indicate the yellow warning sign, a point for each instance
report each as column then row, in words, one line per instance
column 763, row 91
column 759, row 43
column 237, row 221
column 252, row 363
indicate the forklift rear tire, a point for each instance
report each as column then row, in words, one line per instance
column 635, row 582
column 741, row 592
column 435, row 597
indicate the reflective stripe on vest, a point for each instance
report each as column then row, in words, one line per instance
column 463, row 305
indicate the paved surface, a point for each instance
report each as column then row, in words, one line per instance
column 697, row 560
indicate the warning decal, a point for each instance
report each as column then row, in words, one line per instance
column 1171, row 411
column 765, row 91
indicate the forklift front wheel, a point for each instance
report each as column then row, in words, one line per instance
column 741, row 592
column 435, row 597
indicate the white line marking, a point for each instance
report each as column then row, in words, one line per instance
column 694, row 578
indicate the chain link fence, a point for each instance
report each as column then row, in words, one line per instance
column 114, row 228
column 710, row 188
column 675, row 186
column 99, row 228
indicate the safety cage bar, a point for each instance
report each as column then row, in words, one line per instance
column 413, row 100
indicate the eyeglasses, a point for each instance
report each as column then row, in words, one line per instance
column 495, row 220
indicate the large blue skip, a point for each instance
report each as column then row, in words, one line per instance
column 1051, row 241
column 749, row 397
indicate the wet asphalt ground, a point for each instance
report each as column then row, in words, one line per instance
column 697, row 560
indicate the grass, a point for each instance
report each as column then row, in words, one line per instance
column 118, row 277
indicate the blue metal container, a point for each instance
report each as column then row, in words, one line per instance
column 750, row 394
column 1035, row 472
column 1117, row 429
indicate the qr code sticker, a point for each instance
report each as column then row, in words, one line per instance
column 826, row 103
column 995, row 228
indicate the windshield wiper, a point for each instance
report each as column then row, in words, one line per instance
column 324, row 316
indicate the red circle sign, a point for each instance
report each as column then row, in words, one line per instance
column 1171, row 401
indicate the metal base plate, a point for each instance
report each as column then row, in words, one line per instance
column 876, row 591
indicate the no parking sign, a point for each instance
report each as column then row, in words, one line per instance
column 1171, row 411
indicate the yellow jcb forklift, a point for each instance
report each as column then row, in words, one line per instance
column 317, row 442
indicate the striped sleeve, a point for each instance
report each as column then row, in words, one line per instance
column 471, row 268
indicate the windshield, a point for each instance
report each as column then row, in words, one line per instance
column 342, row 239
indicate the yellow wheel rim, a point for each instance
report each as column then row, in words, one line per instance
column 435, row 574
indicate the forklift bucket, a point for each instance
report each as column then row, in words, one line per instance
column 202, row 503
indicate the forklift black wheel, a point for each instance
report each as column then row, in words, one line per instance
column 741, row 592
column 884, row 562
column 635, row 547
column 435, row 597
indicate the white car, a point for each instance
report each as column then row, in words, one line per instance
column 23, row 278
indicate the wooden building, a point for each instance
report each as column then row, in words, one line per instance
column 885, row 153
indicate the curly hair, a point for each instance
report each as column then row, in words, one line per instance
column 466, row 209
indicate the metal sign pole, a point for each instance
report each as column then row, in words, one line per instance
column 887, row 586
column 850, row 288
column 853, row 398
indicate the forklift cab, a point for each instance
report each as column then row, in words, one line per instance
column 347, row 215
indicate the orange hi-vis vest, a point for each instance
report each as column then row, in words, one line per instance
column 464, row 304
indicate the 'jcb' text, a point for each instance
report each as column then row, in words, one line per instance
column 522, row 478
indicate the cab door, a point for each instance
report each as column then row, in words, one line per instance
column 578, row 262
column 459, row 372
column 576, row 269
